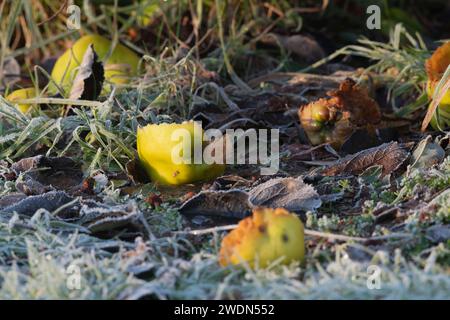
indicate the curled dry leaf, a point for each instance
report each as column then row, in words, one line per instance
column 9, row 73
column 49, row 201
column 41, row 174
column 333, row 120
column 230, row 204
column 427, row 154
column 390, row 156
column 289, row 193
column 304, row 47
column 88, row 83
column 438, row 233
column 100, row 217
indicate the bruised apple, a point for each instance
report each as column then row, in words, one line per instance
column 120, row 65
column 21, row 94
column 161, row 146
column 332, row 120
column 268, row 235
column 435, row 67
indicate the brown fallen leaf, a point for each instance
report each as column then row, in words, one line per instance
column 390, row 156
column 438, row 233
column 304, row 47
column 154, row 200
column 289, row 193
column 230, row 204
column 41, row 174
column 88, row 83
column 49, row 201
column 355, row 103
column 9, row 73
column 101, row 217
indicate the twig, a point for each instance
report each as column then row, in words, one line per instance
column 207, row 230
column 308, row 232
column 334, row 236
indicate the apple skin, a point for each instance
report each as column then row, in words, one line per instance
column 121, row 64
column 324, row 125
column 444, row 109
column 21, row 94
column 268, row 235
column 155, row 147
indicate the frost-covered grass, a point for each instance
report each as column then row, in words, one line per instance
column 38, row 256
column 38, row 267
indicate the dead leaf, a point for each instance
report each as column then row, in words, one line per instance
column 355, row 103
column 438, row 233
column 49, row 201
column 101, row 217
column 88, row 83
column 389, row 155
column 9, row 73
column 289, row 193
column 11, row 199
column 304, row 47
column 230, row 204
column 427, row 154
column 41, row 174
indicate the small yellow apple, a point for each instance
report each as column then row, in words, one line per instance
column 119, row 66
column 436, row 66
column 156, row 147
column 21, row 94
column 269, row 234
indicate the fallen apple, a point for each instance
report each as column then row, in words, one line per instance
column 435, row 67
column 120, row 65
column 21, row 94
column 332, row 120
column 157, row 147
column 268, row 235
